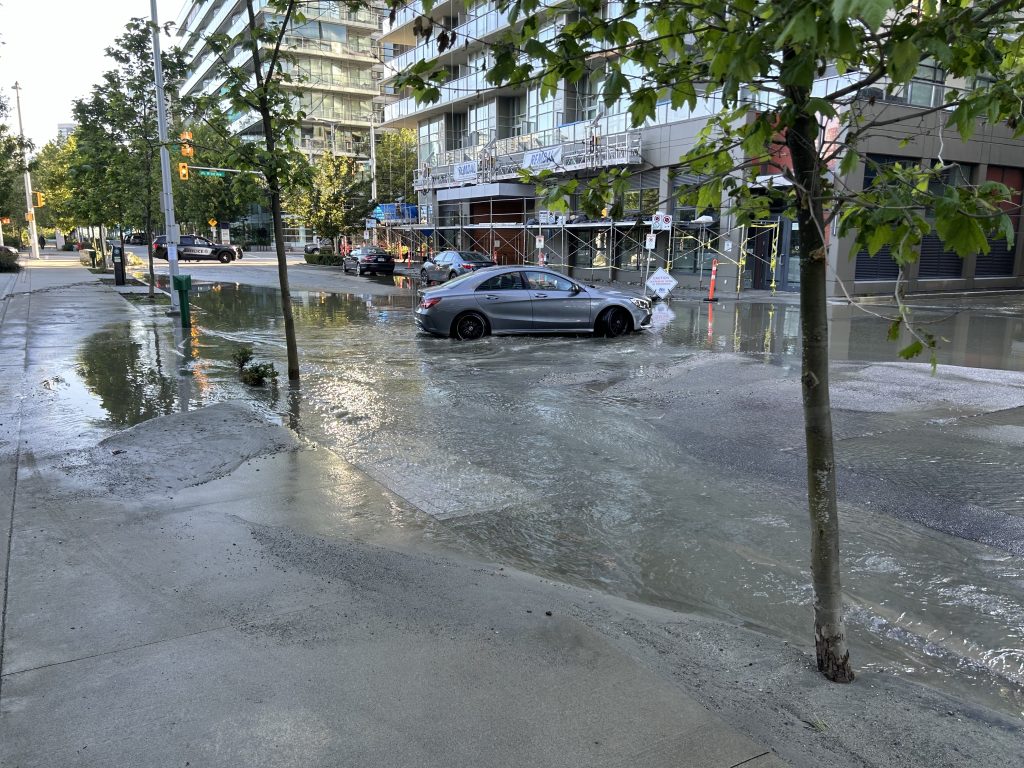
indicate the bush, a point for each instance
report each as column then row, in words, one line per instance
column 68, row 246
column 241, row 357
column 8, row 261
column 256, row 375
column 313, row 258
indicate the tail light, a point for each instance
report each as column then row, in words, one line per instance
column 467, row 266
column 427, row 303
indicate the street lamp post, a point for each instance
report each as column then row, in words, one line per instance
column 166, row 195
column 30, row 215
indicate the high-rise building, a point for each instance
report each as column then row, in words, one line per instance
column 64, row 130
column 475, row 141
column 333, row 53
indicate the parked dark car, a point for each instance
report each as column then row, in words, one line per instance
column 449, row 264
column 369, row 259
column 316, row 246
column 196, row 248
column 527, row 300
column 136, row 238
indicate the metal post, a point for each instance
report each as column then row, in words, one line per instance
column 166, row 195
column 30, row 215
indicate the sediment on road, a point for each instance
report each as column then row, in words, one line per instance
column 178, row 574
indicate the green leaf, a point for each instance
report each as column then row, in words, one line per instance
column 912, row 350
column 894, row 330
column 903, row 60
column 849, row 162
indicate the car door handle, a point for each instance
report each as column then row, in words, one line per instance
column 540, row 295
column 491, row 297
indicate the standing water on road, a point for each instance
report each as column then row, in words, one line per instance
column 667, row 466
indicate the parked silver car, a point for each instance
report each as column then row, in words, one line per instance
column 527, row 300
column 451, row 264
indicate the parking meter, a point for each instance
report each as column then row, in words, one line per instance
column 117, row 255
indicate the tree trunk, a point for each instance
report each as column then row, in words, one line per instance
column 829, row 633
column 282, row 264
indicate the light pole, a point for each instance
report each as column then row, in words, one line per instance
column 30, row 215
column 166, row 195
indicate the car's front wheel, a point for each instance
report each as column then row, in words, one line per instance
column 614, row 322
column 469, row 327
column 452, row 275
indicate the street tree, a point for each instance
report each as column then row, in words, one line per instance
column 12, row 189
column 790, row 89
column 116, row 166
column 52, row 175
column 260, row 89
column 396, row 164
column 336, row 201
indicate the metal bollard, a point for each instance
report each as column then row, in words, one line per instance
column 183, row 284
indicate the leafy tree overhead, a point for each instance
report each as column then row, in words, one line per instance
column 337, row 200
column 774, row 75
column 52, row 175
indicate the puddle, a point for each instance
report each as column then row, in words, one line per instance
column 617, row 463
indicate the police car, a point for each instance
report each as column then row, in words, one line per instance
column 196, row 248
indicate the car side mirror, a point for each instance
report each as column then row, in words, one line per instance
column 576, row 288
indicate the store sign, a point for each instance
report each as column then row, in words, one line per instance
column 465, row 171
column 541, row 159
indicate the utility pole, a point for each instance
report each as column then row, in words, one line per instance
column 166, row 195
column 373, row 166
column 30, row 214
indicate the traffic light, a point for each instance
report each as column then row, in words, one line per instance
column 183, row 171
column 39, row 201
column 187, row 150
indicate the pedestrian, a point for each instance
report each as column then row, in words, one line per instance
column 42, row 240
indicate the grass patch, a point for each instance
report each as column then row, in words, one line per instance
column 145, row 300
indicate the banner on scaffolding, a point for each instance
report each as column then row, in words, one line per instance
column 542, row 159
column 465, row 171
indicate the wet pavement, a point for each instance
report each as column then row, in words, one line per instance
column 665, row 467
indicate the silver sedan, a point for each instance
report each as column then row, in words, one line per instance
column 527, row 300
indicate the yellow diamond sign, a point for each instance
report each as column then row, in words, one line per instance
column 212, row 222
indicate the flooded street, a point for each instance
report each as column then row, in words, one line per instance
column 665, row 467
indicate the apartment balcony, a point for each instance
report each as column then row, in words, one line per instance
column 474, row 29
column 371, row 52
column 576, row 147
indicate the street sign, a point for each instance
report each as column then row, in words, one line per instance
column 212, row 222
column 540, row 242
column 371, row 224
column 211, row 173
column 651, row 241
column 661, row 222
column 661, row 282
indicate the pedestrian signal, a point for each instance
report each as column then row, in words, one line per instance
column 183, row 171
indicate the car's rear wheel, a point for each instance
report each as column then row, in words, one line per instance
column 224, row 258
column 469, row 327
column 424, row 277
column 614, row 322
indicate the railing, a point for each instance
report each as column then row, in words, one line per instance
column 404, row 16
column 473, row 29
column 298, row 43
column 578, row 146
column 348, row 83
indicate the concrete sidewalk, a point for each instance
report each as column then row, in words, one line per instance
column 152, row 621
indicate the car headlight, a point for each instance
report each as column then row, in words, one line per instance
column 644, row 304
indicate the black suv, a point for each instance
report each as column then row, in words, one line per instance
column 196, row 248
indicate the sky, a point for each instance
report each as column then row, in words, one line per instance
column 55, row 49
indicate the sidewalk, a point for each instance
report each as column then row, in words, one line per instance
column 172, row 598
